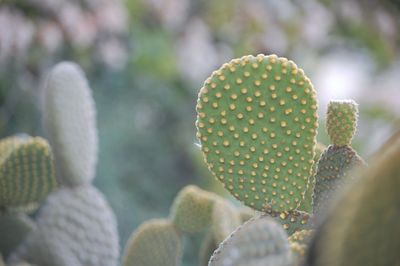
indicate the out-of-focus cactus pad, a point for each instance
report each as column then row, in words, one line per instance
column 333, row 174
column 14, row 227
column 257, row 121
column 69, row 119
column 341, row 121
column 75, row 227
column 260, row 241
column 363, row 227
column 207, row 248
column 225, row 219
column 26, row 171
column 155, row 242
column 191, row 211
column 298, row 244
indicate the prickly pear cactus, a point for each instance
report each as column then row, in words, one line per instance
column 14, row 227
column 155, row 242
column 339, row 158
column 298, row 244
column 191, row 211
column 26, row 171
column 363, row 228
column 208, row 245
column 69, row 120
column 225, row 219
column 75, row 227
column 333, row 174
column 341, row 121
column 257, row 121
column 291, row 221
column 260, row 241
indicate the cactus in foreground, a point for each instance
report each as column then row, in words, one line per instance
column 363, row 227
column 76, row 226
column 257, row 121
column 259, row 241
column 69, row 120
column 26, row 171
column 339, row 158
column 155, row 242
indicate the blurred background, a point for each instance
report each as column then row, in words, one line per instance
column 147, row 59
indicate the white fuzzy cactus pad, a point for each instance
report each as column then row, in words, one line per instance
column 76, row 227
column 70, row 121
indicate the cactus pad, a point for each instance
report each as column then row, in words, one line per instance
column 257, row 121
column 69, row 119
column 363, row 227
column 26, row 171
column 75, row 227
column 155, row 242
column 341, row 121
column 225, row 219
column 298, row 244
column 291, row 221
column 191, row 211
column 14, row 227
column 259, row 241
column 332, row 174
column 207, row 248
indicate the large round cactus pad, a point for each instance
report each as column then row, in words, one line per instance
column 257, row 121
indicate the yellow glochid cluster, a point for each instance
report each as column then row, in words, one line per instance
column 257, row 122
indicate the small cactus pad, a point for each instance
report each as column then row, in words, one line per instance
column 191, row 211
column 26, row 171
column 75, row 227
column 259, row 241
column 225, row 219
column 291, row 221
column 14, row 227
column 306, row 204
column 257, row 121
column 155, row 242
column 69, row 119
column 332, row 174
column 298, row 244
column 207, row 248
column 341, row 121
column 363, row 227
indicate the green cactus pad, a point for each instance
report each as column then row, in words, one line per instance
column 225, row 219
column 69, row 119
column 14, row 227
column 207, row 248
column 26, row 171
column 298, row 244
column 306, row 204
column 363, row 227
column 259, row 241
column 341, row 121
column 291, row 221
column 257, row 121
column 191, row 211
column 155, row 242
column 332, row 174
column 76, row 227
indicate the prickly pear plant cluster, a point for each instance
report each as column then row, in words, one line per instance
column 257, row 125
column 194, row 211
column 75, row 225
